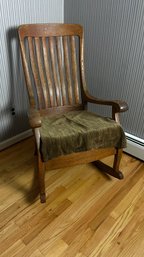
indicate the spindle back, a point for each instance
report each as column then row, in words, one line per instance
column 52, row 56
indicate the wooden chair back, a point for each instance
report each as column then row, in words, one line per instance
column 53, row 62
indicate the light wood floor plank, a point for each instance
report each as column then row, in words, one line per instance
column 54, row 249
column 87, row 213
column 14, row 249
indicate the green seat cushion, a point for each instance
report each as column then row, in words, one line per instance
column 78, row 131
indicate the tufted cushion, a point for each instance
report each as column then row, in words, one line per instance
column 77, row 131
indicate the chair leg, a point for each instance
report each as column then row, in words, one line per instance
column 116, row 163
column 41, row 176
column 117, row 159
column 112, row 171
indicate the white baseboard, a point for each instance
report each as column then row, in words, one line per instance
column 15, row 139
column 135, row 146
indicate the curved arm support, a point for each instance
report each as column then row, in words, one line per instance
column 117, row 105
column 34, row 118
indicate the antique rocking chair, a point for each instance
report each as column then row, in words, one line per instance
column 65, row 132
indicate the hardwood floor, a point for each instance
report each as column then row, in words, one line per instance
column 87, row 214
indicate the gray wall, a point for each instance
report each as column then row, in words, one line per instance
column 12, row 90
column 114, row 53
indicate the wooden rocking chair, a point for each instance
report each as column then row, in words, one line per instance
column 53, row 62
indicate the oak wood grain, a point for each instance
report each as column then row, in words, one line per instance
column 74, row 69
column 86, row 213
column 59, row 43
column 35, row 72
column 67, row 68
column 47, row 70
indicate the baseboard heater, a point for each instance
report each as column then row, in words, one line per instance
column 135, row 145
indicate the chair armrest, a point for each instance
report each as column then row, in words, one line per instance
column 117, row 105
column 34, row 118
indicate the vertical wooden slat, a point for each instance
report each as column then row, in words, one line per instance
column 53, row 61
column 35, row 71
column 74, row 69
column 67, row 67
column 27, row 75
column 82, row 67
column 41, row 71
column 60, row 66
column 48, row 74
